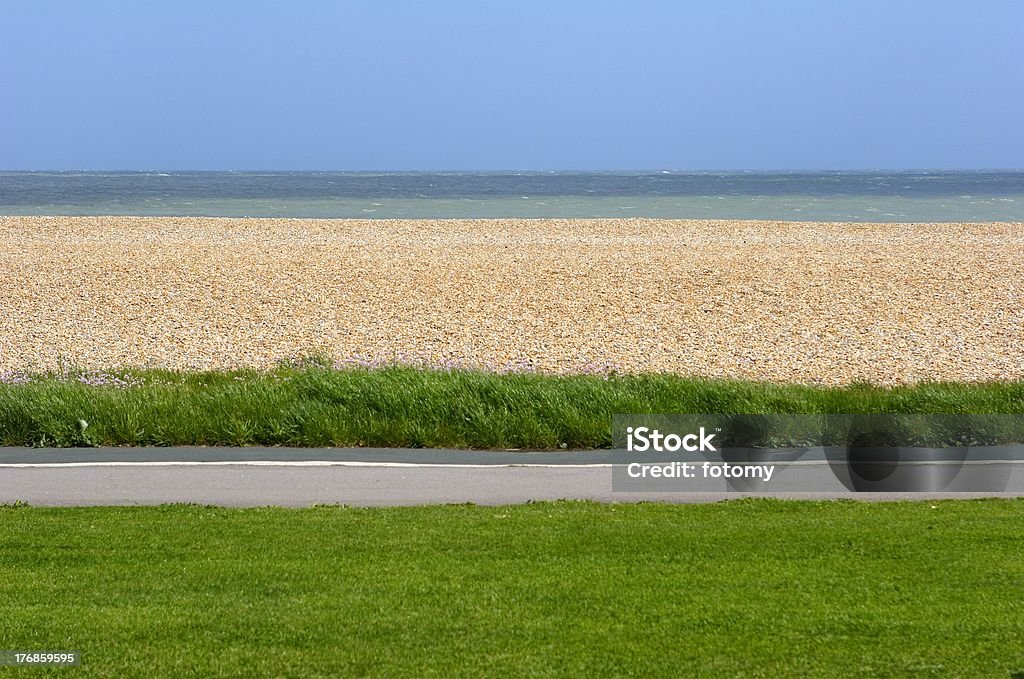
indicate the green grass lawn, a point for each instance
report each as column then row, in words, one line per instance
column 311, row 405
column 742, row 588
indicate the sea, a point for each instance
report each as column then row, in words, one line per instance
column 853, row 196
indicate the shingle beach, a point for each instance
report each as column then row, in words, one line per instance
column 822, row 303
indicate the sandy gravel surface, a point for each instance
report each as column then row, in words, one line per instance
column 804, row 302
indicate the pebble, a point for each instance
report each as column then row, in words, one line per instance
column 804, row 302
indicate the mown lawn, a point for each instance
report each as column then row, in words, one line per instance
column 742, row 588
column 309, row 405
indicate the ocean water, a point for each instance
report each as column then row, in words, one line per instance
column 908, row 196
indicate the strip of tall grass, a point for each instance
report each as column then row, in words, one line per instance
column 312, row 405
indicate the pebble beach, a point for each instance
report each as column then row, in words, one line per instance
column 798, row 302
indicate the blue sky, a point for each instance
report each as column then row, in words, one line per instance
column 389, row 85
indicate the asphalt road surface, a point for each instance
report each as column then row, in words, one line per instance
column 381, row 477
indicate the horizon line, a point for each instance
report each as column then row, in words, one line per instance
column 656, row 170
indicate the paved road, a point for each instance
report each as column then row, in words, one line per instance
column 371, row 477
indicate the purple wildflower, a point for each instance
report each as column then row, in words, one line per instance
column 98, row 378
column 14, row 377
